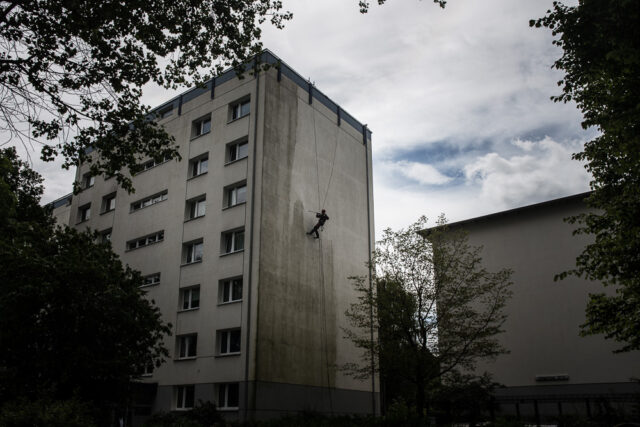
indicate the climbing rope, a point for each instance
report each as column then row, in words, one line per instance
column 321, row 258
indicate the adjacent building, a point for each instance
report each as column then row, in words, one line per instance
column 256, row 304
column 550, row 369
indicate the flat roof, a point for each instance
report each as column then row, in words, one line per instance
column 267, row 57
column 558, row 201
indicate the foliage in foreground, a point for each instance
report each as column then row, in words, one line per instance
column 601, row 60
column 435, row 308
column 71, row 72
column 74, row 323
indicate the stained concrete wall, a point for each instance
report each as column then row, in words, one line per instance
column 308, row 163
column 544, row 316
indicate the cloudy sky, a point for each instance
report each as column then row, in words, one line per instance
column 457, row 99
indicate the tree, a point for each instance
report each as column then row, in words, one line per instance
column 365, row 4
column 73, row 321
column 71, row 72
column 436, row 310
column 601, row 61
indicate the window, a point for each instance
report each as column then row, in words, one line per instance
column 229, row 342
column 109, row 203
column 232, row 241
column 235, row 194
column 88, row 180
column 105, row 236
column 84, row 212
column 184, row 396
column 190, row 298
column 148, row 201
column 237, row 151
column 230, row 290
column 198, row 166
column 196, row 207
column 201, row 126
column 145, row 240
column 146, row 370
column 152, row 279
column 187, row 346
column 165, row 112
column 228, row 396
column 193, row 252
column 239, row 109
column 153, row 163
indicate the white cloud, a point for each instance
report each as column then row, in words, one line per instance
column 422, row 173
column 545, row 171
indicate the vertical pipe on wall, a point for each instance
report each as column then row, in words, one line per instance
column 251, row 239
column 213, row 87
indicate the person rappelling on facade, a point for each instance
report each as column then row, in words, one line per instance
column 322, row 218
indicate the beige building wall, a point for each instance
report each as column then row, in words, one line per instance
column 548, row 360
column 304, row 153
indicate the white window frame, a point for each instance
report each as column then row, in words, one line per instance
column 88, row 180
column 195, row 205
column 230, row 241
column 149, row 201
column 182, row 394
column 237, row 109
column 231, row 194
column 226, row 286
column 233, row 150
column 105, row 235
column 199, row 127
column 151, row 280
column 197, row 168
column 109, row 203
column 187, row 300
column 147, row 240
column 84, row 213
column 191, row 252
column 223, row 391
column 187, row 346
column 224, row 342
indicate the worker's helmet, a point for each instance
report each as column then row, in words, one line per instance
column 323, row 211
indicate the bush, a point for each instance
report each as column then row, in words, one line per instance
column 204, row 414
column 47, row 413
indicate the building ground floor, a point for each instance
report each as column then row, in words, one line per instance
column 542, row 404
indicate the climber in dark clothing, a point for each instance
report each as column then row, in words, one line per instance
column 322, row 218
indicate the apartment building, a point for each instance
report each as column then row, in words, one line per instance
column 256, row 304
column 550, row 370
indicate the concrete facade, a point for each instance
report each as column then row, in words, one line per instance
column 277, row 151
column 550, row 369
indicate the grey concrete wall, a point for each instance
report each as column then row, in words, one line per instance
column 544, row 316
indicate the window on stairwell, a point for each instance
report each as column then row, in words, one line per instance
column 235, row 194
column 201, row 126
column 84, row 212
column 190, row 298
column 187, row 346
column 239, row 109
column 196, row 207
column 228, row 342
column 230, row 290
column 192, row 252
column 199, row 165
column 232, row 241
column 237, row 150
